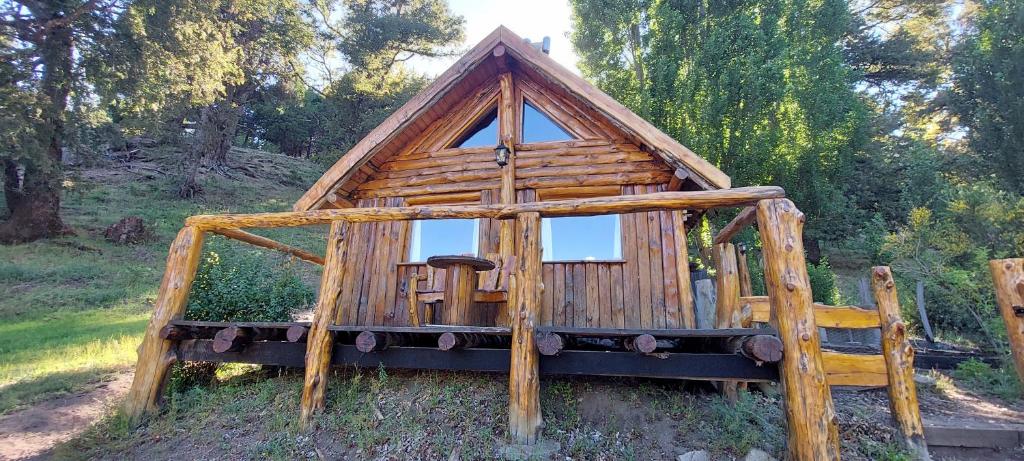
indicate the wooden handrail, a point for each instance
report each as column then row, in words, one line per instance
column 264, row 242
column 698, row 200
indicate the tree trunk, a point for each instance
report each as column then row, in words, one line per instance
column 217, row 127
column 33, row 194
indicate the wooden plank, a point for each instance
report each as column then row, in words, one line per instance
column 654, row 246
column 604, row 296
column 698, row 200
column 559, row 303
column 547, row 307
column 687, row 306
column 593, row 306
column 571, row 157
column 646, row 305
column 811, row 416
column 673, row 314
column 899, row 360
column 618, row 309
column 155, row 356
column 443, row 186
column 854, row 369
column 825, row 316
column 579, row 296
column 630, row 272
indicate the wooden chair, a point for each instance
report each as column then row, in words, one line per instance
column 492, row 287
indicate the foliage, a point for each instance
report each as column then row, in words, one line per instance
column 989, row 91
column 758, row 88
column 245, row 288
column 823, row 282
column 1000, row 381
column 948, row 248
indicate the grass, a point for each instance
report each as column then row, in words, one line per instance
column 72, row 310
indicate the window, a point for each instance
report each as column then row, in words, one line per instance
column 538, row 127
column 436, row 237
column 483, row 134
column 586, row 238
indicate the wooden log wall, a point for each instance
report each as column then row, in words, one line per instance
column 642, row 290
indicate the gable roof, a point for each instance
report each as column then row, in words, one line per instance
column 674, row 153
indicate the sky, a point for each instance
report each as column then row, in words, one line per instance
column 532, row 19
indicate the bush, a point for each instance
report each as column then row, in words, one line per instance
column 245, row 287
column 1000, row 381
column 823, row 282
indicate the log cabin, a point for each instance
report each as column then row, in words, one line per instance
column 513, row 218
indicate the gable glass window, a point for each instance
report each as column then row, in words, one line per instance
column 436, row 237
column 483, row 134
column 581, row 238
column 538, row 127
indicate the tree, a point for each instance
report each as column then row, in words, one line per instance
column 38, row 69
column 203, row 60
column 988, row 91
column 758, row 87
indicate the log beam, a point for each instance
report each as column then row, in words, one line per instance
column 740, row 222
column 231, row 339
column 155, row 354
column 644, row 343
column 698, row 200
column 810, row 414
column 1008, row 277
column 550, row 343
column 506, row 131
column 727, row 300
column 320, row 340
column 264, row 242
column 524, row 307
column 899, row 358
column 683, row 269
column 743, row 269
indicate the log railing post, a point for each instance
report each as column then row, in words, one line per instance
column 899, row 361
column 727, row 299
column 746, row 288
column 524, row 308
column 319, row 340
column 1008, row 277
column 155, row 354
column 810, row 414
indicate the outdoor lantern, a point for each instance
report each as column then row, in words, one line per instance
column 501, row 154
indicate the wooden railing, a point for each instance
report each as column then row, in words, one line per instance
column 810, row 414
column 893, row 368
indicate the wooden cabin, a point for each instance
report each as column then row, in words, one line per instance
column 565, row 140
column 512, row 218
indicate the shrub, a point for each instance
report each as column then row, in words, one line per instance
column 823, row 282
column 1000, row 381
column 245, row 287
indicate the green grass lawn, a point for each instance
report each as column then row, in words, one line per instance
column 72, row 310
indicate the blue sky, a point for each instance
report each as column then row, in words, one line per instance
column 533, row 19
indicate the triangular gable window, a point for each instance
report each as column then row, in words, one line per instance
column 538, row 127
column 483, row 134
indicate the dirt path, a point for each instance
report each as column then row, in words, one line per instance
column 30, row 432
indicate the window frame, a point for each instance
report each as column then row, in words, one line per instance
column 547, row 242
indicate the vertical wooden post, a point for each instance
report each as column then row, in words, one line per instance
column 524, row 421
column 155, row 355
column 683, row 270
column 506, row 133
column 810, row 414
column 746, row 288
column 1008, row 277
column 727, row 299
column 899, row 360
column 319, row 340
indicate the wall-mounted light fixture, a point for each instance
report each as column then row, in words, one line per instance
column 501, row 154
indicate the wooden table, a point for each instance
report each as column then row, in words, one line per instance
column 460, row 282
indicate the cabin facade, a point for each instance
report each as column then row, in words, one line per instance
column 565, row 140
column 512, row 218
